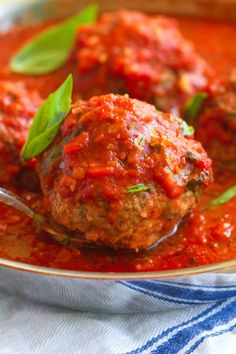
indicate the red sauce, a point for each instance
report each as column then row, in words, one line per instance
column 147, row 57
column 113, row 122
column 109, row 144
column 205, row 236
column 18, row 107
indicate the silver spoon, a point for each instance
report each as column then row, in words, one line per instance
column 165, row 237
column 54, row 230
column 14, row 201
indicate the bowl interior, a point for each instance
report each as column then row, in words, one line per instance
column 29, row 12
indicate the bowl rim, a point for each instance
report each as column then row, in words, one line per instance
column 225, row 266
column 57, row 272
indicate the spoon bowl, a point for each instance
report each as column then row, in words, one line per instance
column 56, row 231
column 11, row 199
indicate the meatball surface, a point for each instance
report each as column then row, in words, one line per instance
column 216, row 126
column 121, row 172
column 17, row 108
column 142, row 55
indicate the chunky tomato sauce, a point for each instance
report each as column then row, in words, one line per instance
column 205, row 236
column 145, row 56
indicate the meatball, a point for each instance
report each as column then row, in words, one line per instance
column 17, row 108
column 144, row 56
column 216, row 126
column 122, row 173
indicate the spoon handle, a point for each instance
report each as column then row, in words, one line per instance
column 13, row 200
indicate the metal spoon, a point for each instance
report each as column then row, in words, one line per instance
column 54, row 230
column 163, row 238
column 14, row 201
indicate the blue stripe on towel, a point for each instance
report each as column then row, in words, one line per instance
column 168, row 331
column 179, row 340
column 185, row 293
column 174, row 294
column 215, row 334
column 210, row 287
column 160, row 297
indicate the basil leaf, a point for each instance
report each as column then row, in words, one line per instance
column 187, row 129
column 193, row 106
column 137, row 188
column 225, row 197
column 50, row 49
column 47, row 120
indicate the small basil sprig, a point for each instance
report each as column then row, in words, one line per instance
column 50, row 49
column 225, row 197
column 187, row 129
column 47, row 120
column 137, row 188
column 193, row 106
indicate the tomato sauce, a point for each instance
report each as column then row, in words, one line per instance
column 145, row 56
column 205, row 236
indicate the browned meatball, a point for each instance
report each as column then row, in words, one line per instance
column 142, row 55
column 216, row 126
column 17, row 108
column 121, row 172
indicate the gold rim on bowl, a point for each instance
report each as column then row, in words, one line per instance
column 228, row 266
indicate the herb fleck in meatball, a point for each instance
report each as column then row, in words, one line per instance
column 121, row 172
column 142, row 55
column 17, row 108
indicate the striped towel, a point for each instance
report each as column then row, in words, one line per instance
column 180, row 315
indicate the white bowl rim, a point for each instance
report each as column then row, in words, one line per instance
column 227, row 266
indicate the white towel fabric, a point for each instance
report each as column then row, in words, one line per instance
column 207, row 328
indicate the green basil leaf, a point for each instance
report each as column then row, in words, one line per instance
column 225, row 197
column 47, row 120
column 187, row 129
column 50, row 49
column 137, row 188
column 193, row 106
